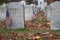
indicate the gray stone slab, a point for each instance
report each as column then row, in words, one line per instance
column 54, row 15
column 28, row 12
column 17, row 16
column 2, row 12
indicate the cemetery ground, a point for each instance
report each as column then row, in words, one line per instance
column 36, row 29
column 39, row 22
column 25, row 34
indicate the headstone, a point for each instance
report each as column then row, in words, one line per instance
column 17, row 15
column 55, row 15
column 28, row 12
column 2, row 12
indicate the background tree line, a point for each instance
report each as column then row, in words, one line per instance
column 3, row 1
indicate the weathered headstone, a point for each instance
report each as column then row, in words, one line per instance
column 28, row 12
column 2, row 12
column 17, row 15
column 54, row 15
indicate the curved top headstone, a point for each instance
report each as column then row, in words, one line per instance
column 54, row 15
column 17, row 15
column 55, row 11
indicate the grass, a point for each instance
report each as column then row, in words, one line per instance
column 26, row 31
column 13, row 30
column 57, row 32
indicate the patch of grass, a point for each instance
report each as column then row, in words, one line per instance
column 14, row 30
column 57, row 32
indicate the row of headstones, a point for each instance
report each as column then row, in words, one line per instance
column 35, row 8
column 18, row 13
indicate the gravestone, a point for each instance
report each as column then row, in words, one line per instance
column 17, row 15
column 28, row 12
column 54, row 15
column 2, row 12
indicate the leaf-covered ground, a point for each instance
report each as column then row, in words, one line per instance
column 25, row 34
column 36, row 29
column 39, row 22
